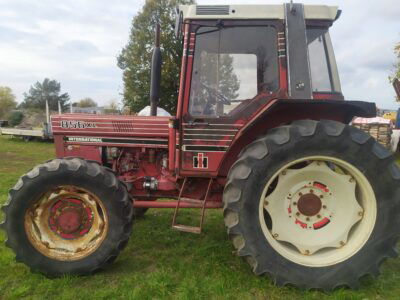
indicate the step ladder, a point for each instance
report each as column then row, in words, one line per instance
column 201, row 204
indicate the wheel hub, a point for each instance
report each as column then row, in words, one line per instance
column 309, row 204
column 69, row 221
column 313, row 208
column 70, row 218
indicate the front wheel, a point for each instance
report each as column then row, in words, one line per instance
column 68, row 216
column 314, row 204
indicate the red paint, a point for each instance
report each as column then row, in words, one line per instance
column 171, row 145
column 172, row 204
column 70, row 219
column 303, row 225
column 325, row 221
column 328, row 96
column 321, row 187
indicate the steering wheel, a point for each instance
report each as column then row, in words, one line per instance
column 218, row 96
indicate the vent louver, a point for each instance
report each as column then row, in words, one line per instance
column 212, row 9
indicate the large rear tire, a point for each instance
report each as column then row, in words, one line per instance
column 314, row 204
column 139, row 212
column 68, row 216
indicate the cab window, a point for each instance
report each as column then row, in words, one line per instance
column 232, row 65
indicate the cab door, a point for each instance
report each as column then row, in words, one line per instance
column 231, row 73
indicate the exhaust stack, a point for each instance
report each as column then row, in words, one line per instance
column 47, row 112
column 156, row 63
column 396, row 85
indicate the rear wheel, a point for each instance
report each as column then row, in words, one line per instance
column 68, row 216
column 139, row 212
column 314, row 204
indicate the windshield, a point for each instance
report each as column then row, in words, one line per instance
column 232, row 65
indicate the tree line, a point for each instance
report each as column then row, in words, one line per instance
column 35, row 100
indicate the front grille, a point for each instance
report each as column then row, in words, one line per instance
column 119, row 126
column 212, row 9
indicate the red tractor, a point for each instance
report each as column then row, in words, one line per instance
column 261, row 130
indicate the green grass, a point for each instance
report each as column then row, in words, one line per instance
column 159, row 262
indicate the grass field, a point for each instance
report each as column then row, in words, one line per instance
column 159, row 262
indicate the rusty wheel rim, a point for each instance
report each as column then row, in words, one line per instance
column 66, row 223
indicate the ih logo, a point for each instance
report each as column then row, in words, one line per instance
column 200, row 161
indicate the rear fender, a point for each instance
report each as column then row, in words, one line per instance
column 282, row 112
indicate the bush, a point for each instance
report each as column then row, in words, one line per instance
column 15, row 118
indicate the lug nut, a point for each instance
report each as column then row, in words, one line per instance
column 266, row 203
column 294, row 203
column 297, row 214
column 342, row 243
column 283, row 172
column 276, row 235
column 307, row 252
column 324, row 206
column 300, row 194
column 307, row 219
column 351, row 179
column 312, row 191
column 360, row 213
column 319, row 216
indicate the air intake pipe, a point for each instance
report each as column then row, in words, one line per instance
column 156, row 63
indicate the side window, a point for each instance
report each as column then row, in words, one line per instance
column 229, row 78
column 320, row 73
column 324, row 72
column 231, row 66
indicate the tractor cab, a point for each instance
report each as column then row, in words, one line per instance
column 237, row 57
column 240, row 60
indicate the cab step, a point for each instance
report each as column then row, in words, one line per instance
column 200, row 203
column 186, row 228
column 193, row 201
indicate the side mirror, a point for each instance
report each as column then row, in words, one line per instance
column 178, row 23
column 396, row 85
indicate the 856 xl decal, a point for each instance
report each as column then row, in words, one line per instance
column 77, row 124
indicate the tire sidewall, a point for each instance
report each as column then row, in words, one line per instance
column 31, row 191
column 341, row 147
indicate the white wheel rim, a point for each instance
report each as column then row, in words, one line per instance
column 322, row 211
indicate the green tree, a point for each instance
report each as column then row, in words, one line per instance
column 86, row 102
column 47, row 90
column 16, row 118
column 135, row 57
column 7, row 101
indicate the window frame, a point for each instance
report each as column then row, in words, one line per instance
column 195, row 26
column 333, row 73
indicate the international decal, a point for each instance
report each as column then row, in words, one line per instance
column 200, row 161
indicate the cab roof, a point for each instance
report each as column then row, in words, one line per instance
column 311, row 12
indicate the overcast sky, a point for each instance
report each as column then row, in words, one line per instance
column 77, row 42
